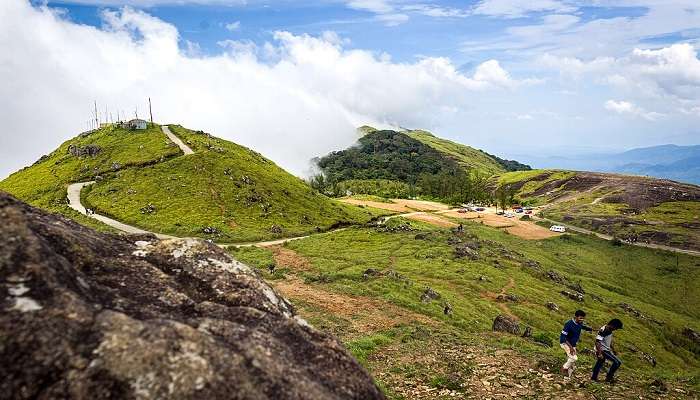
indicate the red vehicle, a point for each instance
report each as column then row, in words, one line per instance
column 528, row 211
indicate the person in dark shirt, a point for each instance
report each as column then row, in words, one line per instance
column 604, row 350
column 569, row 337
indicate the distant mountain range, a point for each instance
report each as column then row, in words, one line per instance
column 680, row 163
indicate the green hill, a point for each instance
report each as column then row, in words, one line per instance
column 224, row 191
column 467, row 157
column 633, row 208
column 385, row 161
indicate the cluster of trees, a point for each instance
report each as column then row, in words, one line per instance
column 386, row 155
column 393, row 164
column 454, row 187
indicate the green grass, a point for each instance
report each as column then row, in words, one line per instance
column 230, row 188
column 661, row 285
column 44, row 183
column 465, row 156
column 672, row 223
column 236, row 191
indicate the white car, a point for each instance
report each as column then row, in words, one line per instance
column 557, row 228
column 509, row 215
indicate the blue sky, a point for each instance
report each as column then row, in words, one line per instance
column 519, row 78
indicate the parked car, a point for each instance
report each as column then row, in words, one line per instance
column 462, row 210
column 480, row 209
column 509, row 215
column 528, row 208
column 528, row 212
column 518, row 210
column 499, row 213
column 557, row 228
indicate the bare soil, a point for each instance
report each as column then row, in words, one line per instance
column 432, row 219
column 377, row 204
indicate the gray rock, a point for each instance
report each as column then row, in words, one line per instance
column 503, row 323
column 429, row 295
column 552, row 306
column 89, row 315
column 572, row 295
column 90, row 150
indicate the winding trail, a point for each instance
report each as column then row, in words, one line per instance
column 74, row 190
column 74, row 202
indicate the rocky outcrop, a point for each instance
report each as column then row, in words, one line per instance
column 504, row 323
column 91, row 315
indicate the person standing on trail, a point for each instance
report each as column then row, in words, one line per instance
column 568, row 339
column 604, row 350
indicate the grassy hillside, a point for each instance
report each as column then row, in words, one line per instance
column 44, row 183
column 367, row 285
column 630, row 207
column 465, row 156
column 223, row 192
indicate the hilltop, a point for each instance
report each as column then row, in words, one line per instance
column 632, row 208
column 408, row 163
column 223, row 191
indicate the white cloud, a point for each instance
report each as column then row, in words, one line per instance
column 233, row 26
column 492, row 73
column 625, row 107
column 672, row 71
column 519, row 8
column 374, row 6
column 431, row 10
column 292, row 98
column 392, row 19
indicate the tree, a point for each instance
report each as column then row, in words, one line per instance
column 504, row 197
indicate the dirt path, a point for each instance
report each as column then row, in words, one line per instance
column 74, row 202
column 185, row 149
column 499, row 303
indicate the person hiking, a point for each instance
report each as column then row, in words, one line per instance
column 604, row 350
column 568, row 339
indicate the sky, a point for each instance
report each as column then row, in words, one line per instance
column 292, row 79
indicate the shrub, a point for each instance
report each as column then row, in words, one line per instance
column 543, row 338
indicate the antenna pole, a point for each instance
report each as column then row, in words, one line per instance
column 150, row 110
column 97, row 121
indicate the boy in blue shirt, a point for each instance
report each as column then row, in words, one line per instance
column 568, row 339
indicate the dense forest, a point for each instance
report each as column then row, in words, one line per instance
column 392, row 164
column 385, row 155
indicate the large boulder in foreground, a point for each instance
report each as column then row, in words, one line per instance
column 91, row 315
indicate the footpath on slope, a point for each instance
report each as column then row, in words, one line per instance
column 74, row 202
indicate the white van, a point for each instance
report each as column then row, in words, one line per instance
column 557, row 228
